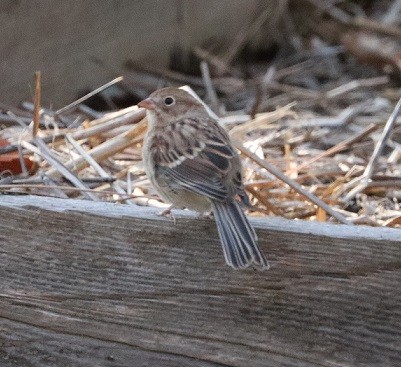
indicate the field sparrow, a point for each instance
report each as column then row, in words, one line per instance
column 192, row 164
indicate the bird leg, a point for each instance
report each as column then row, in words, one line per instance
column 206, row 215
column 167, row 213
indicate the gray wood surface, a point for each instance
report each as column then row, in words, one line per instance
column 95, row 284
column 79, row 45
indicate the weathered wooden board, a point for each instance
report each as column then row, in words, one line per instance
column 92, row 284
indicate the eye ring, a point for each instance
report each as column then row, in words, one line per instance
column 169, row 101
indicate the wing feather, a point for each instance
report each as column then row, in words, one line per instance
column 198, row 158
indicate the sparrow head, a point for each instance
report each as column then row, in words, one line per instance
column 169, row 104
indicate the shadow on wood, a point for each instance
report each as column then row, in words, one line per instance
column 96, row 284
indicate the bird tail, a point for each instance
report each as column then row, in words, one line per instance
column 237, row 236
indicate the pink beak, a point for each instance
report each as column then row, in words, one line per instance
column 147, row 104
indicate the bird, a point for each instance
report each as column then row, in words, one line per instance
column 192, row 163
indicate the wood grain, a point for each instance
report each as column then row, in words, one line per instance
column 95, row 284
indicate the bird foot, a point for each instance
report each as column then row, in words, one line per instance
column 167, row 213
column 207, row 215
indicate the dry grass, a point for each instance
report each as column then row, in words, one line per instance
column 318, row 132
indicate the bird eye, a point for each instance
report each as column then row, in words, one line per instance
column 168, row 101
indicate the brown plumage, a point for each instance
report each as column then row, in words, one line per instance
column 192, row 164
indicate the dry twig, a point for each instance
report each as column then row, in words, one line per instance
column 36, row 114
column 273, row 170
column 363, row 181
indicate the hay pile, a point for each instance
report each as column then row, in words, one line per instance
column 316, row 124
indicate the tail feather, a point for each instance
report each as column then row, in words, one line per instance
column 230, row 254
column 237, row 236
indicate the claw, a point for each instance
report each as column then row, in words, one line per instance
column 167, row 213
column 207, row 215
